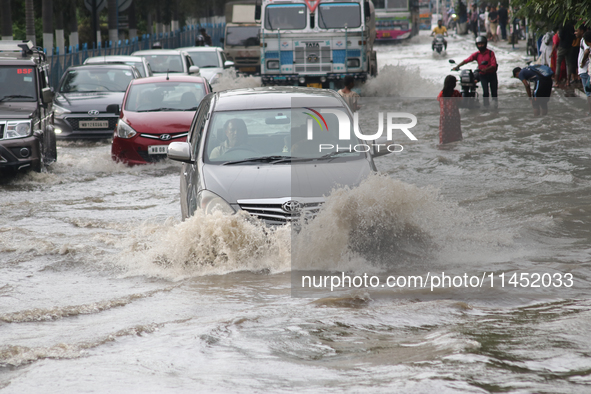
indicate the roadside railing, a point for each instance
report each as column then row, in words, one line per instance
column 58, row 63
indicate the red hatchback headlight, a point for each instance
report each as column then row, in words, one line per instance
column 124, row 130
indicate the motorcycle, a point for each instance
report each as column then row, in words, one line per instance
column 438, row 43
column 452, row 21
column 469, row 80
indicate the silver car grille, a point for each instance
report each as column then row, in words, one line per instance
column 282, row 210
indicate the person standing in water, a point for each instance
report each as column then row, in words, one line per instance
column 450, row 129
column 347, row 93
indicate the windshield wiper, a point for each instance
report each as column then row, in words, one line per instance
column 263, row 159
column 160, row 110
column 208, row 66
column 14, row 96
column 332, row 155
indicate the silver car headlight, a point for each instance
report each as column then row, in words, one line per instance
column 17, row 129
column 215, row 78
column 58, row 111
column 210, row 202
column 124, row 130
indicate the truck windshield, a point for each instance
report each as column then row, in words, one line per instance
column 393, row 4
column 18, row 83
column 244, row 36
column 337, row 15
column 285, row 16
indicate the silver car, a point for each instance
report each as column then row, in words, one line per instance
column 211, row 61
column 273, row 152
column 163, row 61
column 139, row 62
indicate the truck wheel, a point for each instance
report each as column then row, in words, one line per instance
column 49, row 146
column 374, row 64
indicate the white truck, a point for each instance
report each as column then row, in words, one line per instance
column 317, row 43
column 241, row 42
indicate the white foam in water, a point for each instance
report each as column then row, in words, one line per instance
column 399, row 81
column 379, row 225
column 381, row 214
column 229, row 80
column 207, row 245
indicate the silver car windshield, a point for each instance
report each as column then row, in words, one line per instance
column 164, row 96
column 277, row 136
column 166, row 63
column 205, row 59
column 96, row 80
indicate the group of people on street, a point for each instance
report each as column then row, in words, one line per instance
column 561, row 50
column 494, row 20
column 542, row 76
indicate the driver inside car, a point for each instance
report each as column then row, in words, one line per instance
column 236, row 136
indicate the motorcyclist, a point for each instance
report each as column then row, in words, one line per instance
column 487, row 67
column 439, row 29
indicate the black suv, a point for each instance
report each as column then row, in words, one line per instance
column 27, row 137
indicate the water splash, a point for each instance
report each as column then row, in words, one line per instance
column 207, row 245
column 399, row 81
column 379, row 218
column 229, row 80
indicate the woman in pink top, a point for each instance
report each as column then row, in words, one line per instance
column 450, row 128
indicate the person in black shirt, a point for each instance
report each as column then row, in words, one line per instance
column 493, row 17
column 503, row 20
column 542, row 89
column 206, row 37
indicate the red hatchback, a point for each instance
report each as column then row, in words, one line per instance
column 155, row 112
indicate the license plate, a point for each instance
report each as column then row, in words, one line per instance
column 94, row 124
column 386, row 34
column 248, row 69
column 314, row 85
column 157, row 149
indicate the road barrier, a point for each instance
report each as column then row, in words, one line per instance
column 185, row 37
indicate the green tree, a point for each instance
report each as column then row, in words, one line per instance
column 548, row 14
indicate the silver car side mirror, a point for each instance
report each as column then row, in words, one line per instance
column 194, row 70
column 180, row 151
column 228, row 64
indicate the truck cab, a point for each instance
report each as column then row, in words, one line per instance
column 27, row 137
column 317, row 44
column 242, row 37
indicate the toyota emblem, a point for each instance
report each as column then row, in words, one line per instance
column 291, row 206
column 165, row 137
column 93, row 112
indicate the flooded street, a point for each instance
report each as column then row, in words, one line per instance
column 104, row 289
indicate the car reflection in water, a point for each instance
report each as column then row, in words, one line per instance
column 156, row 111
column 250, row 149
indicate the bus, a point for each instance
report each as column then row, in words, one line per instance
column 396, row 19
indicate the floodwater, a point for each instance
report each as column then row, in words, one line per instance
column 104, row 289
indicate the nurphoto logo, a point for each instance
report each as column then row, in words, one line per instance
column 345, row 130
